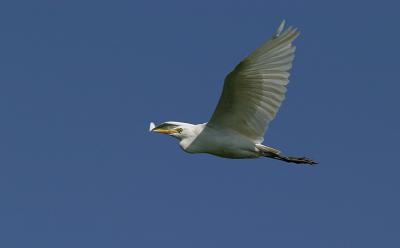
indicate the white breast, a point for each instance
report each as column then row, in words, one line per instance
column 223, row 143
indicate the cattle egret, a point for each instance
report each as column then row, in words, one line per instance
column 251, row 97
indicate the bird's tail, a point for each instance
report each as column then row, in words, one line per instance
column 276, row 154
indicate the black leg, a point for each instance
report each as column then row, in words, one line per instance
column 298, row 160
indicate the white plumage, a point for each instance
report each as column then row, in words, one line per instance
column 251, row 97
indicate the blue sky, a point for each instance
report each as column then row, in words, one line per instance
column 81, row 80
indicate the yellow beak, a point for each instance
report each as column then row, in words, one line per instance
column 164, row 131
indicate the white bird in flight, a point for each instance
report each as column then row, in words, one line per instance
column 251, row 97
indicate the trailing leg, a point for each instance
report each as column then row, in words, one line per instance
column 276, row 154
column 297, row 160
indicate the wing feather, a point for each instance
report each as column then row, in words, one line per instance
column 255, row 89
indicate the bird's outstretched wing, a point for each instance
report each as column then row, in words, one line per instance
column 255, row 89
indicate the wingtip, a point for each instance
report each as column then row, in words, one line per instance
column 280, row 28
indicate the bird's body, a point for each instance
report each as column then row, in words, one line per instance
column 251, row 97
column 220, row 142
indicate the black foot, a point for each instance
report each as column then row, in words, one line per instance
column 302, row 160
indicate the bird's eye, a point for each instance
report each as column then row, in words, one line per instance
column 179, row 130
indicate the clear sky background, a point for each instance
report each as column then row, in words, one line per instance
column 80, row 81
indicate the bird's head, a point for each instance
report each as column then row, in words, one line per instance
column 178, row 130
